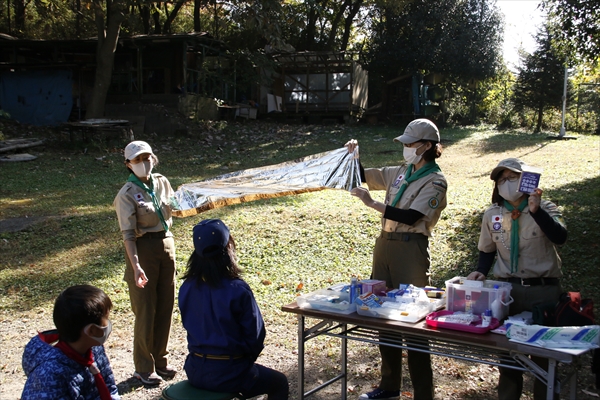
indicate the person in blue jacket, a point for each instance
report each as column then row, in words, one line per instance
column 70, row 362
column 225, row 329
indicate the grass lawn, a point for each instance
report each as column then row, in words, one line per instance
column 306, row 241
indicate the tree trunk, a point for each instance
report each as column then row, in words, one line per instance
column 156, row 19
column 19, row 28
column 309, row 32
column 145, row 16
column 108, row 36
column 78, row 19
column 197, row 7
column 348, row 24
column 171, row 16
column 540, row 113
column 335, row 23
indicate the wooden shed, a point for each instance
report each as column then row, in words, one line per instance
column 321, row 84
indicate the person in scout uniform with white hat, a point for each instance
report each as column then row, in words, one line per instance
column 520, row 231
column 144, row 216
column 415, row 197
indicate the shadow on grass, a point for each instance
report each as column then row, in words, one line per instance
column 513, row 141
column 85, row 248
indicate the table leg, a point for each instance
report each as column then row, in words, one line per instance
column 344, row 360
column 301, row 357
column 551, row 379
column 573, row 385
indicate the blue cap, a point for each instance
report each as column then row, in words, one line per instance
column 210, row 238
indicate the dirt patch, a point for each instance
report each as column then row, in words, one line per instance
column 454, row 379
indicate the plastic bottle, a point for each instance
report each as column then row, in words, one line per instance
column 355, row 289
column 486, row 318
column 497, row 305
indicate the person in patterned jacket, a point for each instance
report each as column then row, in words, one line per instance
column 69, row 362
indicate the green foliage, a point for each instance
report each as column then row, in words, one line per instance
column 540, row 80
column 578, row 26
column 458, row 38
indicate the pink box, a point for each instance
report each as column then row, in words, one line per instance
column 374, row 286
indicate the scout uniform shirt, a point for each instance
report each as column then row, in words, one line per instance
column 426, row 195
column 537, row 254
column 136, row 212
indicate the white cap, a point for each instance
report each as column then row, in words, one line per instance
column 419, row 129
column 134, row 149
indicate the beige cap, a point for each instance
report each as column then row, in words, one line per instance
column 419, row 129
column 513, row 164
column 134, row 149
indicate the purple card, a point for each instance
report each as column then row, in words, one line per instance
column 530, row 179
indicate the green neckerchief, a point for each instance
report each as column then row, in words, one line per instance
column 425, row 170
column 150, row 191
column 514, row 233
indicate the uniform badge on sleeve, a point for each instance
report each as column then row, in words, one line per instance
column 139, row 197
column 497, row 222
column 440, row 184
column 398, row 180
column 434, row 203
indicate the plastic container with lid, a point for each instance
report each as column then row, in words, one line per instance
column 477, row 296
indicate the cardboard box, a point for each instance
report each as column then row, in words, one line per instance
column 564, row 337
column 374, row 286
column 476, row 297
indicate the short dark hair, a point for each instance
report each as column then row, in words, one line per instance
column 78, row 306
column 435, row 151
column 212, row 270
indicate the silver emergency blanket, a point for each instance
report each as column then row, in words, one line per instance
column 335, row 169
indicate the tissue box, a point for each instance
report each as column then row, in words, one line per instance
column 368, row 300
column 374, row 286
column 565, row 337
column 476, row 296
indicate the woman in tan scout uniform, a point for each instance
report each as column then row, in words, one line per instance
column 145, row 221
column 415, row 197
column 521, row 232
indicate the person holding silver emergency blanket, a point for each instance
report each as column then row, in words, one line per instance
column 415, row 197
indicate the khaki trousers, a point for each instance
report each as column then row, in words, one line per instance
column 403, row 258
column 510, row 385
column 152, row 305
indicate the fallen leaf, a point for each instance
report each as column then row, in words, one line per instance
column 590, row 393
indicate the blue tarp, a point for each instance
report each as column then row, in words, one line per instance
column 37, row 97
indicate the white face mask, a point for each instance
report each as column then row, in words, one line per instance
column 508, row 190
column 410, row 154
column 105, row 329
column 142, row 169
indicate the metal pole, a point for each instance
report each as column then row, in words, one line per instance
column 564, row 99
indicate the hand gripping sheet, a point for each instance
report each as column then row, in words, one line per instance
column 335, row 169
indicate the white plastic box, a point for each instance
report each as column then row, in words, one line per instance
column 476, row 296
column 327, row 300
column 398, row 310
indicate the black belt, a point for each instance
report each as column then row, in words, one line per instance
column 532, row 281
column 218, row 356
column 154, row 235
column 403, row 236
